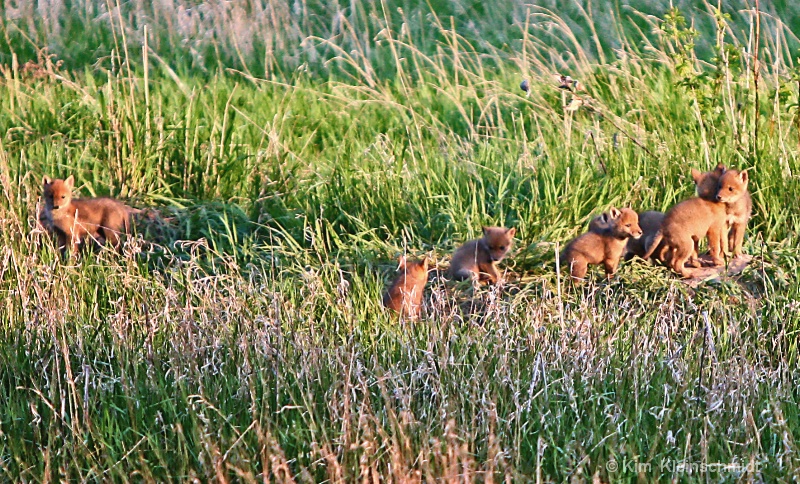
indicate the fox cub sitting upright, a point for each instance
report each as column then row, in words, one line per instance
column 732, row 191
column 405, row 293
column 603, row 244
column 74, row 220
column 478, row 258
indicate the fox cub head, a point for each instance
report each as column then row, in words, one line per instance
column 707, row 183
column 413, row 269
column 620, row 224
column 498, row 240
column 732, row 185
column 57, row 193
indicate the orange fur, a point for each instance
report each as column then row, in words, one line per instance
column 405, row 293
column 478, row 258
column 650, row 223
column 688, row 222
column 732, row 191
column 601, row 246
column 102, row 219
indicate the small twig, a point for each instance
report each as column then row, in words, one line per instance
column 597, row 152
column 622, row 130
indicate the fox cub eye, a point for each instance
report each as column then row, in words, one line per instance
column 628, row 225
column 730, row 189
column 502, row 247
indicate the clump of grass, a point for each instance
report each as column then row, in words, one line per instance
column 241, row 337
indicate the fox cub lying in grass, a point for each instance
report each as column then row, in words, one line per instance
column 74, row 220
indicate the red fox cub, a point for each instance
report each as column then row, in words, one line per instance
column 688, row 222
column 405, row 293
column 604, row 245
column 477, row 258
column 103, row 219
column 732, row 191
column 650, row 223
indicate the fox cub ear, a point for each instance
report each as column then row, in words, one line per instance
column 70, row 182
column 743, row 175
column 511, row 231
column 485, row 230
column 614, row 212
column 697, row 175
column 720, row 169
column 426, row 262
column 46, row 180
column 401, row 262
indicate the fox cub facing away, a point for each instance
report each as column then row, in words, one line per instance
column 103, row 219
column 478, row 258
column 689, row 222
column 405, row 293
column 603, row 244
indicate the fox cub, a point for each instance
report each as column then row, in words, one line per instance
column 650, row 223
column 729, row 186
column 478, row 258
column 405, row 293
column 732, row 191
column 688, row 222
column 603, row 244
column 74, row 220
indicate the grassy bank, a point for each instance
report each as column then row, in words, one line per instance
column 242, row 337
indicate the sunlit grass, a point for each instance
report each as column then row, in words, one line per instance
column 241, row 335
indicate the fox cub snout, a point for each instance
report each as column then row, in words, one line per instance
column 603, row 244
column 478, row 258
column 405, row 293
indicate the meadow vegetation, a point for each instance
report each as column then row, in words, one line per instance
column 295, row 149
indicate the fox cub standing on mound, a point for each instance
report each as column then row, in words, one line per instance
column 477, row 258
column 729, row 186
column 732, row 191
column 688, row 222
column 405, row 293
column 103, row 219
column 603, row 244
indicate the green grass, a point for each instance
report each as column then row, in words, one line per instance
column 242, row 337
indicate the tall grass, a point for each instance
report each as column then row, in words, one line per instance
column 298, row 149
